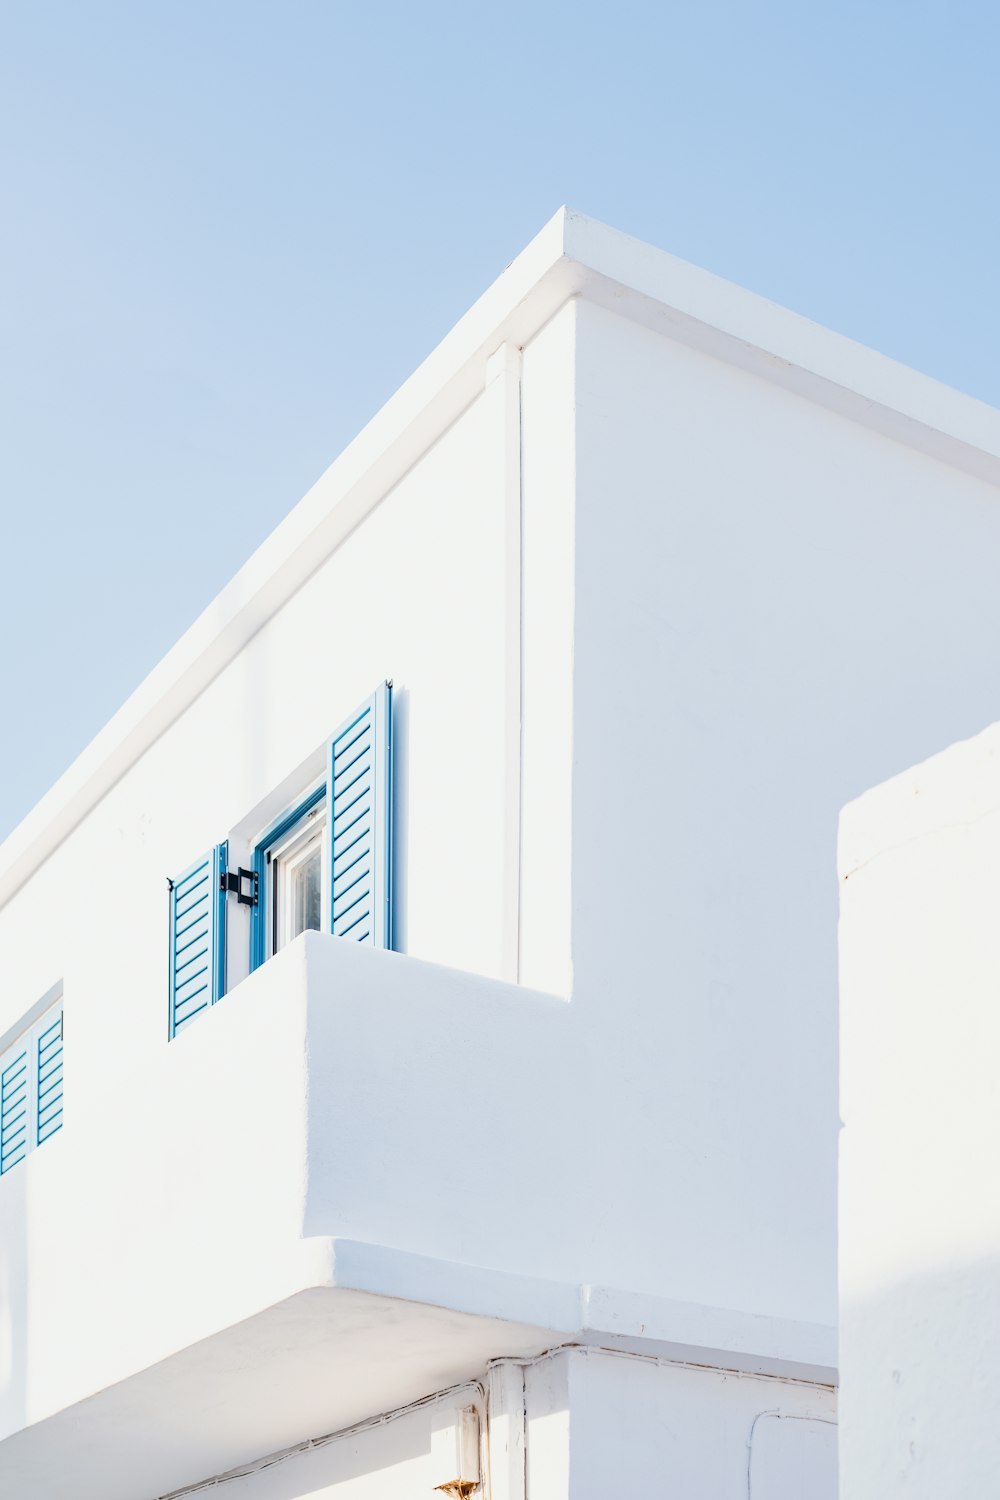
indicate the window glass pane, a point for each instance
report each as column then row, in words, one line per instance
column 306, row 879
column 296, row 879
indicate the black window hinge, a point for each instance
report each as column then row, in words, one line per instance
column 243, row 882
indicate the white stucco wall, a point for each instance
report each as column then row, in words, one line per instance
column 681, row 1431
column 920, row 1210
column 775, row 607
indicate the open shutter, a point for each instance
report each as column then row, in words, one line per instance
column 48, row 1038
column 359, row 791
column 197, row 938
column 14, row 1102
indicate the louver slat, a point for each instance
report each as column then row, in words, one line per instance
column 197, row 939
column 14, row 1111
column 359, row 788
column 49, row 1080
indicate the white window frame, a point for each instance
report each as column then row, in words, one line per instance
column 283, row 859
column 24, row 1038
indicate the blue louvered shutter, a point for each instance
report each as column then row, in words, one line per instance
column 48, row 1080
column 197, row 938
column 359, row 790
column 15, row 1099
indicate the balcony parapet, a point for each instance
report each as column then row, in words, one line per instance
column 353, row 1181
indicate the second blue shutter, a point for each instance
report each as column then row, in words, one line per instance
column 49, row 1077
column 359, row 801
column 197, row 938
column 14, row 1102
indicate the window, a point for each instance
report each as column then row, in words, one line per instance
column 293, row 890
column 297, row 880
column 324, row 865
column 31, row 1087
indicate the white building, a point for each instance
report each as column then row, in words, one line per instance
column 920, row 1164
column 661, row 575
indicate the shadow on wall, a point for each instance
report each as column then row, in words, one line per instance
column 13, row 1298
column 920, row 1371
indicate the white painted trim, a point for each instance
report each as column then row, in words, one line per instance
column 571, row 256
column 686, row 303
column 503, row 391
column 308, row 836
column 594, row 1316
column 25, row 1022
column 505, row 1431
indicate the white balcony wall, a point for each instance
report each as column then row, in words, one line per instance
column 210, row 1207
column 334, row 1193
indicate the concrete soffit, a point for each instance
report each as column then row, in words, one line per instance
column 571, row 256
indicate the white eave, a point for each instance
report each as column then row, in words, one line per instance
column 571, row 256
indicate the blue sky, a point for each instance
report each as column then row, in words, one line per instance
column 230, row 230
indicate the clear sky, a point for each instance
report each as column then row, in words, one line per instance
column 230, row 229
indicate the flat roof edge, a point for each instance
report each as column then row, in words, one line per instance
column 700, row 309
column 571, row 256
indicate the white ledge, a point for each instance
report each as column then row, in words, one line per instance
column 608, row 1317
